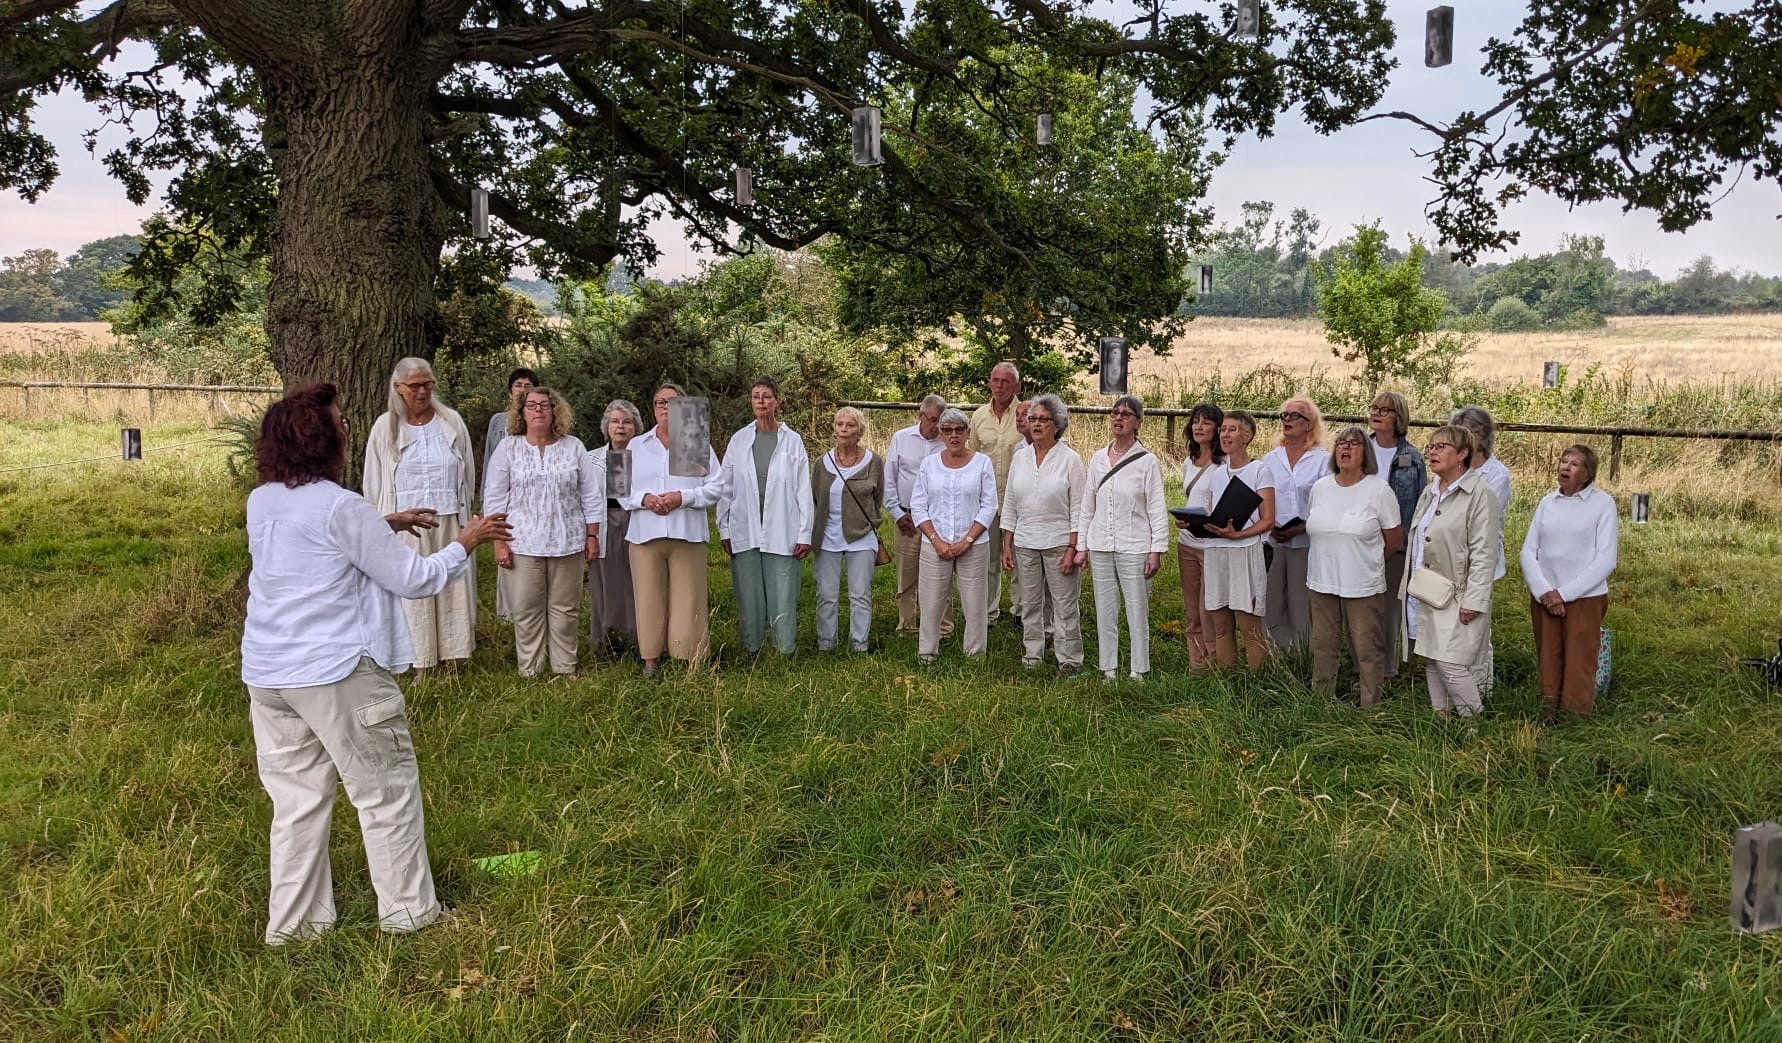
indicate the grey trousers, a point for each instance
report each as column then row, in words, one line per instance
column 859, row 566
column 1045, row 594
column 767, row 597
column 611, row 612
column 1288, row 610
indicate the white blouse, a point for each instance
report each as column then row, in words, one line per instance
column 1293, row 486
column 1042, row 502
column 954, row 497
column 1125, row 514
column 1497, row 478
column 649, row 474
column 551, row 495
column 427, row 471
column 326, row 587
column 1193, row 477
column 1572, row 544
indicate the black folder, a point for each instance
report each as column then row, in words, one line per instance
column 1234, row 508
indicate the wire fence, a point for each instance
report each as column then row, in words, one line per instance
column 217, row 402
column 1174, row 416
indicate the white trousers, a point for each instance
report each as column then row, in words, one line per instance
column 1453, row 687
column 859, row 564
column 1121, row 578
column 1049, row 597
column 354, row 731
column 938, row 578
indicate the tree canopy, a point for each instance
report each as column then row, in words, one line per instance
column 340, row 140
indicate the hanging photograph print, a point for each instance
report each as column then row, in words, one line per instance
column 1438, row 37
column 132, row 443
column 1042, row 129
column 618, row 473
column 1113, row 365
column 1248, row 23
column 479, row 213
column 689, row 437
column 1550, row 374
column 866, row 137
column 745, row 186
column 1206, row 278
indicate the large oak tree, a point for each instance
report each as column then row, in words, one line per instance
column 342, row 137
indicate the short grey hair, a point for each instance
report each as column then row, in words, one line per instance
column 624, row 406
column 932, row 402
column 1477, row 420
column 954, row 415
column 1369, row 463
column 1132, row 402
column 1055, row 408
column 1010, row 366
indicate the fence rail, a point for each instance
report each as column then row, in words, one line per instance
column 215, row 391
column 1616, row 435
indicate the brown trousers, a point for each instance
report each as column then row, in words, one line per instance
column 1197, row 621
column 1566, row 651
column 1363, row 622
column 1227, row 622
column 545, row 596
column 668, row 583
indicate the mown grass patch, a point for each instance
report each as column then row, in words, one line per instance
column 853, row 848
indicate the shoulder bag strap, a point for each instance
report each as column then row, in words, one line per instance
column 1139, row 451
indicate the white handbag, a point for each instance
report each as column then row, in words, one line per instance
column 1431, row 587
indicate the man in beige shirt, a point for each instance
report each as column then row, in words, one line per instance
column 994, row 432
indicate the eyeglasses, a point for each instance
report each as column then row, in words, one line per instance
column 418, row 385
column 1433, row 446
column 662, row 403
column 1380, row 410
column 952, row 430
column 1039, row 419
column 1355, row 443
column 540, row 407
column 1291, row 415
column 1116, row 412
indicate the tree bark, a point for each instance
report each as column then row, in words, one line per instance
column 356, row 239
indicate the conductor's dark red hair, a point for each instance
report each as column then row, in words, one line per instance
column 300, row 440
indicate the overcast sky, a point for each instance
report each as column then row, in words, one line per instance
column 1360, row 174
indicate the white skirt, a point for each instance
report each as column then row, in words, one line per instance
column 444, row 625
column 1235, row 578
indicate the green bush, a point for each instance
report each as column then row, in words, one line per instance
column 1512, row 315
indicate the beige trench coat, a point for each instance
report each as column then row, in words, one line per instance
column 1461, row 545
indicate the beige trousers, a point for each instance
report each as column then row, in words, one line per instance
column 545, row 598
column 1363, row 622
column 668, row 582
column 1047, row 595
column 308, row 741
column 1197, row 620
column 908, row 551
column 939, row 578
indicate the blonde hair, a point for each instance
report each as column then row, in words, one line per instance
column 1313, row 417
column 1401, row 411
column 859, row 418
column 1458, row 436
column 562, row 417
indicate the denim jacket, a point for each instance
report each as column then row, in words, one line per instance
column 1407, row 477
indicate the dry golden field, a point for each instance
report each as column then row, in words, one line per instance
column 1696, row 348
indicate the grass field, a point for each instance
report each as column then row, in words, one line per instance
column 850, row 848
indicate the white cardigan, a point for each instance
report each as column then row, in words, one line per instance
column 379, row 481
column 786, row 518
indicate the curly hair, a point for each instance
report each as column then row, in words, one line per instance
column 562, row 417
column 300, row 441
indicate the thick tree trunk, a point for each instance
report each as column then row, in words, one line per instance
column 356, row 241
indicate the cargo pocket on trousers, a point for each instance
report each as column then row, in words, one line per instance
column 385, row 726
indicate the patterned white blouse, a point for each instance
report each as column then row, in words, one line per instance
column 551, row 494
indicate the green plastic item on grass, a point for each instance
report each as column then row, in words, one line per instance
column 511, row 866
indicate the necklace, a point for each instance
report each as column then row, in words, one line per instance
column 848, row 458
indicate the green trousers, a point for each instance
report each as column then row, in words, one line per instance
column 767, row 597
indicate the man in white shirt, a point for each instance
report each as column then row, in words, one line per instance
column 909, row 447
column 996, row 434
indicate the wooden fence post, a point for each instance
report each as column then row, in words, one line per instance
column 1614, row 458
column 1169, row 434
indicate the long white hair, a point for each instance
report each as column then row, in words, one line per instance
column 407, row 369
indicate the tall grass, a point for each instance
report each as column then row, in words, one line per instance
column 852, row 848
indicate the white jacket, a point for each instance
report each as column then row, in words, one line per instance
column 786, row 518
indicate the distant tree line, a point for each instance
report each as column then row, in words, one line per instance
column 42, row 286
column 1266, row 267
